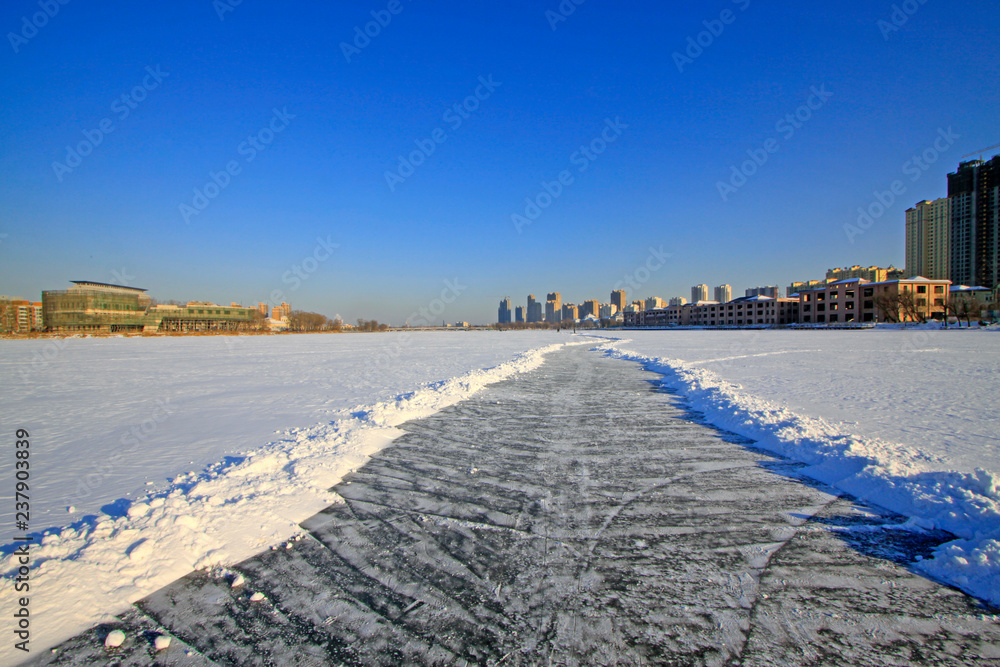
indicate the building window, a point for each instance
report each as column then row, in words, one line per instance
column 849, row 294
column 921, row 289
column 821, row 296
column 821, row 307
column 833, row 318
column 869, row 305
column 849, row 305
column 869, row 291
column 939, row 289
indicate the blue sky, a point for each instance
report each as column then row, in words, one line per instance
column 204, row 82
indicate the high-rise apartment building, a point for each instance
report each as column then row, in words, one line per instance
column 570, row 312
column 654, row 302
column 20, row 315
column 928, row 234
column 677, row 301
column 767, row 290
column 618, row 299
column 699, row 293
column 534, row 311
column 724, row 293
column 590, row 307
column 553, row 307
column 503, row 312
column 519, row 314
column 974, row 229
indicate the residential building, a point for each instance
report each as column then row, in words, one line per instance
column 590, row 308
column 570, row 312
column 653, row 302
column 874, row 274
column 699, row 293
column 739, row 312
column 677, row 301
column 282, row 312
column 768, row 290
column 797, row 287
column 607, row 310
column 519, row 314
column 618, row 299
column 859, row 300
column 974, row 230
column 553, row 307
column 534, row 310
column 504, row 312
column 724, row 293
column 928, row 235
column 20, row 315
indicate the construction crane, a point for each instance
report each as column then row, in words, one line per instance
column 980, row 151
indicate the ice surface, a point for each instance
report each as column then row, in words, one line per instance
column 575, row 515
column 212, row 405
column 905, row 419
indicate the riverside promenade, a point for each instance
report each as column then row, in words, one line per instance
column 573, row 515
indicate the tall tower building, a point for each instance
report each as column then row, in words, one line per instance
column 519, row 314
column 590, row 307
column 503, row 313
column 534, row 309
column 928, row 234
column 699, row 293
column 974, row 228
column 724, row 293
column 553, row 307
column 618, row 299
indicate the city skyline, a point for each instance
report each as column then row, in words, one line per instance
column 371, row 160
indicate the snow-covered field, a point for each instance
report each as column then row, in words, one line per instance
column 904, row 418
column 176, row 453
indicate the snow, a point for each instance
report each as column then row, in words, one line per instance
column 165, row 449
column 905, row 419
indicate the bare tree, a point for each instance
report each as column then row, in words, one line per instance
column 889, row 305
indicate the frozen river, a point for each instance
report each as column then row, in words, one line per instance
column 574, row 514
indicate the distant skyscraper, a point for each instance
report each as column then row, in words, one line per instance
column 699, row 293
column 553, row 307
column 618, row 299
column 503, row 313
column 653, row 302
column 570, row 312
column 677, row 301
column 724, row 293
column 927, row 236
column 974, row 203
column 534, row 310
column 590, row 307
column 768, row 290
column 519, row 314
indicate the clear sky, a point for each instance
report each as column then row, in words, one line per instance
column 114, row 116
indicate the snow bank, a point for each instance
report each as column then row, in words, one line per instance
column 85, row 573
column 893, row 476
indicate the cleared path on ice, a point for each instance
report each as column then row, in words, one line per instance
column 571, row 514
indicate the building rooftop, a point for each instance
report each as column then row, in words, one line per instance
column 92, row 283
